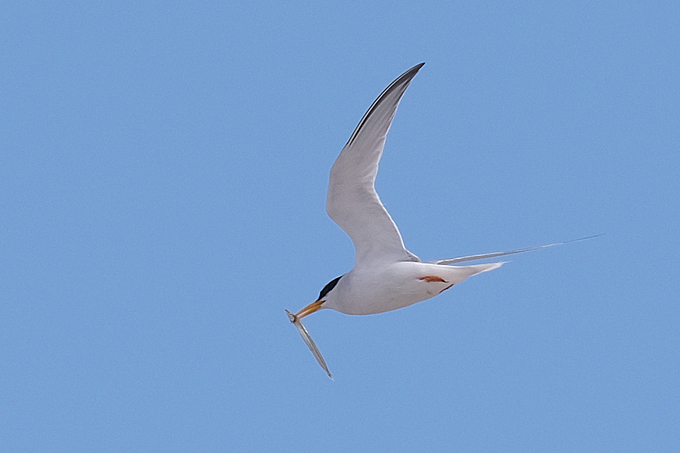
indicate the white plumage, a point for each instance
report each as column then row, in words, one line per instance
column 386, row 276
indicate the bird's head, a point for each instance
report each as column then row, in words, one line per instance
column 325, row 294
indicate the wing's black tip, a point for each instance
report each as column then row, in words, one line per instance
column 399, row 85
column 411, row 72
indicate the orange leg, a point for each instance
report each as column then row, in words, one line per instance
column 432, row 278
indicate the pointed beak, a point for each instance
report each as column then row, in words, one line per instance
column 308, row 310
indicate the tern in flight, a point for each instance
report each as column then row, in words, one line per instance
column 386, row 276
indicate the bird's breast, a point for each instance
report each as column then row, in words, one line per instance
column 381, row 288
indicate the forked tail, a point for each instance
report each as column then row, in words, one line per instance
column 510, row 252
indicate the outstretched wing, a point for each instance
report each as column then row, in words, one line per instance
column 352, row 201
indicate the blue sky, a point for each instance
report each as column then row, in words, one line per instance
column 163, row 171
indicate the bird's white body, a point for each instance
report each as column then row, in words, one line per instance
column 368, row 290
column 386, row 276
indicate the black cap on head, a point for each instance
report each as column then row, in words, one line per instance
column 326, row 289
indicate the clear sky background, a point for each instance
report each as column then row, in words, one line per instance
column 163, row 172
